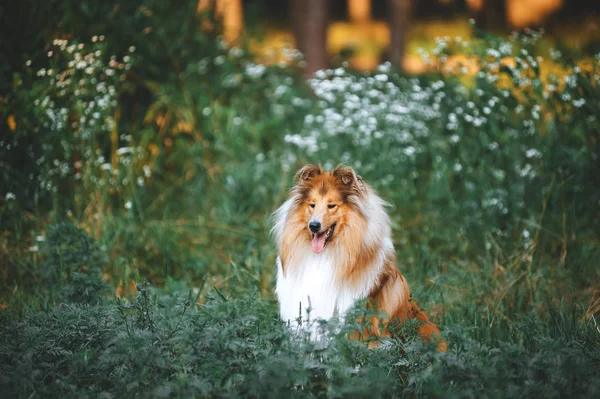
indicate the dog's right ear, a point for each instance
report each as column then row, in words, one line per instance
column 308, row 172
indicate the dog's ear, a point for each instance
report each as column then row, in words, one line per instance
column 349, row 178
column 308, row 172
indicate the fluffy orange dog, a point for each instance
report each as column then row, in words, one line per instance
column 335, row 248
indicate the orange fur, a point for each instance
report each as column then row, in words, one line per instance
column 338, row 198
column 392, row 295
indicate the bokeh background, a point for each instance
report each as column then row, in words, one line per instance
column 144, row 144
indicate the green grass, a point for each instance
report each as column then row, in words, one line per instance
column 169, row 181
column 161, row 345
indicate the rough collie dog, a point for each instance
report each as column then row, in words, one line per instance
column 334, row 248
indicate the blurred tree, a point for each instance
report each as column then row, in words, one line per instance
column 205, row 10
column 229, row 12
column 232, row 15
column 524, row 13
column 309, row 23
column 399, row 20
column 359, row 10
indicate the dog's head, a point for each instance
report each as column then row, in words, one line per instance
column 326, row 200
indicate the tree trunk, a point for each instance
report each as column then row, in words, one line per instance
column 399, row 20
column 309, row 23
column 298, row 16
column 232, row 15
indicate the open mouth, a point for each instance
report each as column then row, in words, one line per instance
column 319, row 240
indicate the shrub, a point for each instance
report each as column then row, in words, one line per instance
column 160, row 345
column 73, row 265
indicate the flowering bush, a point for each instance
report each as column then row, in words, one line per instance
column 476, row 146
column 67, row 137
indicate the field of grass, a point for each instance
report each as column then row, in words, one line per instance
column 138, row 173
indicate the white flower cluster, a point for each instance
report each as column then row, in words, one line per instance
column 367, row 108
column 254, row 71
column 78, row 102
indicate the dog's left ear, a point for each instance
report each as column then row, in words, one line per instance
column 308, row 172
column 349, row 178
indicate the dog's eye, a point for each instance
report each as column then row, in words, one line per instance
column 312, row 205
column 331, row 206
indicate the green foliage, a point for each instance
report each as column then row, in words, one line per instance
column 161, row 346
column 171, row 150
column 72, row 269
column 64, row 115
column 474, row 156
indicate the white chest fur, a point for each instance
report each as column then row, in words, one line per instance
column 311, row 285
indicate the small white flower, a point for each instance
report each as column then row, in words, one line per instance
column 409, row 150
column 219, row 60
column 533, row 153
column 128, row 205
column 10, row 196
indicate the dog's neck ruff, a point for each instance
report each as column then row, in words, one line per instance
column 313, row 288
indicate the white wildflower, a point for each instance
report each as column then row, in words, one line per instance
column 533, row 153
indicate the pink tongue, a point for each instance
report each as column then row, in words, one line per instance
column 318, row 242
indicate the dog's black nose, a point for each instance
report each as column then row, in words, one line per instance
column 314, row 226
